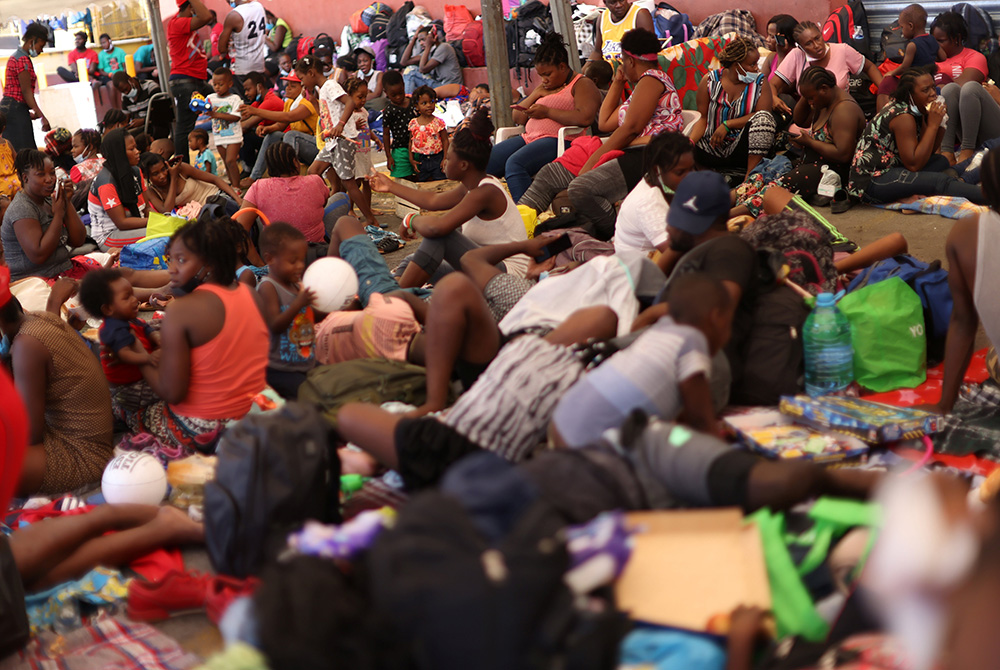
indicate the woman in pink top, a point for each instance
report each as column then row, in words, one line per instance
column 973, row 106
column 842, row 60
column 564, row 98
column 287, row 196
column 214, row 343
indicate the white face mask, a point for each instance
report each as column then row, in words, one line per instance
column 131, row 94
column 810, row 59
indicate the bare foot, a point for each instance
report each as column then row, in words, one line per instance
column 183, row 530
column 354, row 462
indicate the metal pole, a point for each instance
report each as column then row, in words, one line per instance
column 497, row 66
column 562, row 21
column 159, row 44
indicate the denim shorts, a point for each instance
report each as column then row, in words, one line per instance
column 373, row 273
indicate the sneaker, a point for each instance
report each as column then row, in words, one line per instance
column 841, row 202
column 222, row 591
column 177, row 593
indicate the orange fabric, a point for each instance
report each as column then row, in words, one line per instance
column 228, row 371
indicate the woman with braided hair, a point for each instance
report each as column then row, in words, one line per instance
column 737, row 128
column 479, row 211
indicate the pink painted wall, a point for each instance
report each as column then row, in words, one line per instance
column 311, row 17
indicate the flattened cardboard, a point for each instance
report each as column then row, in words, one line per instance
column 688, row 566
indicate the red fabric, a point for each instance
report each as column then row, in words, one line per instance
column 155, row 565
column 13, row 437
column 216, row 33
column 929, row 392
column 580, row 151
column 121, row 373
column 75, row 55
column 187, row 57
column 271, row 102
column 12, row 87
column 298, row 201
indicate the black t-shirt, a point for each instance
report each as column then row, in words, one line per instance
column 397, row 120
column 727, row 258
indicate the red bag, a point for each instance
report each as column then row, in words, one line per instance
column 472, row 44
column 456, row 18
column 358, row 25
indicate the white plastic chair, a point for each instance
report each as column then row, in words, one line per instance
column 691, row 117
column 573, row 132
column 506, row 133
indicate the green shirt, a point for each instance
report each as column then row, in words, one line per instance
column 111, row 62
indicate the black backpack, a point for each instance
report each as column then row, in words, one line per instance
column 395, row 34
column 380, row 24
column 531, row 16
column 893, row 43
column 455, row 601
column 274, row 472
column 980, row 25
column 849, row 25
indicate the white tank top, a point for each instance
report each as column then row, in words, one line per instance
column 247, row 47
column 509, row 227
column 988, row 275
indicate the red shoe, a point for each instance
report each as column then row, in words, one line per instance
column 222, row 591
column 177, row 593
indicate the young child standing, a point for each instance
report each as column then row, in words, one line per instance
column 226, row 128
column 428, row 137
column 287, row 308
column 204, row 157
column 132, row 346
column 396, row 125
column 363, row 165
column 338, row 129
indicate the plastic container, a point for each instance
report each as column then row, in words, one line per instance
column 829, row 356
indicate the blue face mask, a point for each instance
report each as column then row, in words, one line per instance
column 270, row 26
column 747, row 77
column 5, row 346
column 916, row 111
column 33, row 53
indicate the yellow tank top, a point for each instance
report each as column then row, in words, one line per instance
column 611, row 33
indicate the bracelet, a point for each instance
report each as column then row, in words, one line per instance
column 405, row 225
column 725, row 124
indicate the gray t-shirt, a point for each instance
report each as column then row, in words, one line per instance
column 447, row 71
column 23, row 207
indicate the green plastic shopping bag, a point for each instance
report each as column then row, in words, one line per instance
column 887, row 331
column 163, row 224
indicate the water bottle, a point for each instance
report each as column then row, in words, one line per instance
column 829, row 356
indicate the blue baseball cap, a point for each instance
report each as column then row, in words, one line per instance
column 700, row 199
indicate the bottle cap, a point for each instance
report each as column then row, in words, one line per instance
column 825, row 300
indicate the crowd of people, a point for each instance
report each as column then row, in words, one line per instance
column 617, row 331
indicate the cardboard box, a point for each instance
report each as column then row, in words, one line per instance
column 775, row 435
column 688, row 566
column 872, row 422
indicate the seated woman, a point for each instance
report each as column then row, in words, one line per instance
column 564, row 98
column 842, row 60
column 35, row 222
column 973, row 106
column 652, row 108
column 780, row 40
column 896, row 157
column 214, row 342
column 115, row 204
column 479, row 210
column 642, row 222
column 172, row 187
column 288, row 196
column 831, row 122
column 64, row 392
column 736, row 129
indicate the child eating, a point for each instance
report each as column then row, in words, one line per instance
column 132, row 346
column 287, row 308
column 428, row 137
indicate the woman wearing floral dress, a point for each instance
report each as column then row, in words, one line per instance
column 897, row 154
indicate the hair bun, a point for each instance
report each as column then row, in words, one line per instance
column 480, row 125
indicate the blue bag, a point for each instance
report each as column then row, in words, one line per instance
column 147, row 254
column 930, row 282
column 672, row 24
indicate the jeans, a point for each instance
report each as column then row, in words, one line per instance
column 19, row 130
column 519, row 161
column 182, row 89
column 67, row 74
column 260, row 164
column 415, row 79
column 252, row 147
column 304, row 144
column 898, row 183
column 973, row 116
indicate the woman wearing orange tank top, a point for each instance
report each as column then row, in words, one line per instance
column 214, row 342
column 564, row 98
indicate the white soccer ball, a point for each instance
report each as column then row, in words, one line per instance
column 333, row 281
column 135, row 478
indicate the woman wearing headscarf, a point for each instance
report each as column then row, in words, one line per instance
column 115, row 202
column 59, row 147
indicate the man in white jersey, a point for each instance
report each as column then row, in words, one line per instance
column 243, row 38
